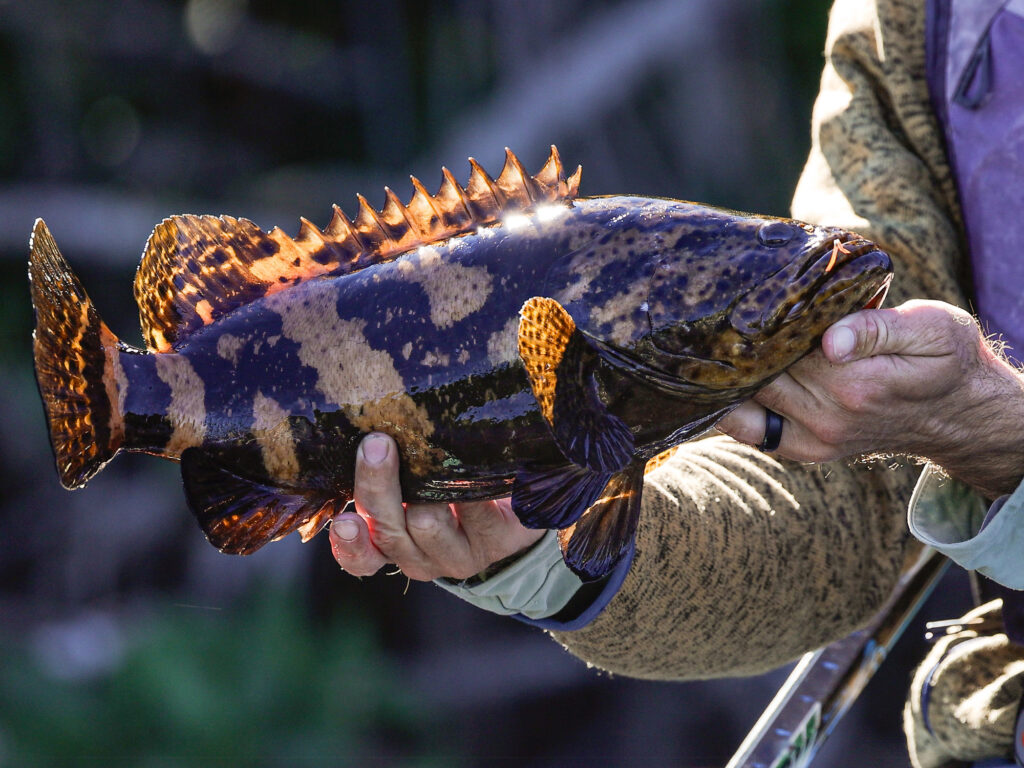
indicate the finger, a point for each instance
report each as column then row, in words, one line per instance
column 446, row 551
column 461, row 540
column 797, row 392
column 799, row 443
column 745, row 423
column 378, row 499
column 493, row 531
column 815, row 427
column 351, row 545
column 819, row 402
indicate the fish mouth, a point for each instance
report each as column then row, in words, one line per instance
column 876, row 301
column 844, row 270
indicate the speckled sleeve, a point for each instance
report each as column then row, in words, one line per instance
column 744, row 562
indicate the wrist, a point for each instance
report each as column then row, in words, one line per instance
column 984, row 443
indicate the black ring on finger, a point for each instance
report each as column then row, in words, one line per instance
column 772, row 431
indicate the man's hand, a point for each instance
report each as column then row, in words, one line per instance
column 918, row 379
column 426, row 541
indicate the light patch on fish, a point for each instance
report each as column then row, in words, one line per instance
column 187, row 411
column 349, row 369
column 121, row 379
column 115, row 383
column 625, row 324
column 274, row 436
column 408, row 423
column 228, row 347
column 435, row 358
column 503, row 345
column 454, row 290
column 362, row 381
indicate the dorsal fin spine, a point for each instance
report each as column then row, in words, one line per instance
column 481, row 190
column 342, row 229
column 398, row 219
column 552, row 174
column 454, row 195
column 572, row 184
column 369, row 224
column 423, row 208
column 309, row 233
column 514, row 182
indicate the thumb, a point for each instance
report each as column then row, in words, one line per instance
column 862, row 334
column 919, row 328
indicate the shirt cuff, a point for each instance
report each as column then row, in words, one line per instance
column 539, row 589
column 537, row 585
column 954, row 519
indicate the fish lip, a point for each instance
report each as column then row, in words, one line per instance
column 836, row 267
column 829, row 257
column 865, row 259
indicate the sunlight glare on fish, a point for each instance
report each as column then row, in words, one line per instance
column 549, row 212
column 514, row 221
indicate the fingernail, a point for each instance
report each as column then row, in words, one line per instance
column 347, row 530
column 843, row 342
column 375, row 449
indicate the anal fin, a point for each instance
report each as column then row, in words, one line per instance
column 239, row 515
column 604, row 532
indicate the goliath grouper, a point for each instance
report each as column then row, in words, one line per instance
column 511, row 337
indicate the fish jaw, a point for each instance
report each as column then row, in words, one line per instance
column 841, row 269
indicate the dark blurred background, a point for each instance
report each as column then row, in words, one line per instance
column 124, row 637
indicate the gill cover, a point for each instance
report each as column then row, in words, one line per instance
column 720, row 258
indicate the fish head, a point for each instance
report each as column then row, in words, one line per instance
column 735, row 299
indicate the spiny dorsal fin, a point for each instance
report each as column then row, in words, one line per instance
column 198, row 268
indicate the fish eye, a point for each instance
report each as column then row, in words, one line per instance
column 775, row 233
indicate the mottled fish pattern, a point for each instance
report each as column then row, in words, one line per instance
column 512, row 337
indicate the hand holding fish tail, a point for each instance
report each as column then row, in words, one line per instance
column 427, row 541
column 919, row 379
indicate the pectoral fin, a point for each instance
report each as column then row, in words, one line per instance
column 560, row 362
column 597, row 541
column 238, row 514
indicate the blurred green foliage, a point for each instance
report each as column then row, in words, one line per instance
column 254, row 684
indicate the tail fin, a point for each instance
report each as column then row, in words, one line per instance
column 76, row 358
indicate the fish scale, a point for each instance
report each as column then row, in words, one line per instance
column 512, row 337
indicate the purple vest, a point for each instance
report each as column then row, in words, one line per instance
column 976, row 80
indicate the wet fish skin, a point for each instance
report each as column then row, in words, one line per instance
column 547, row 352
